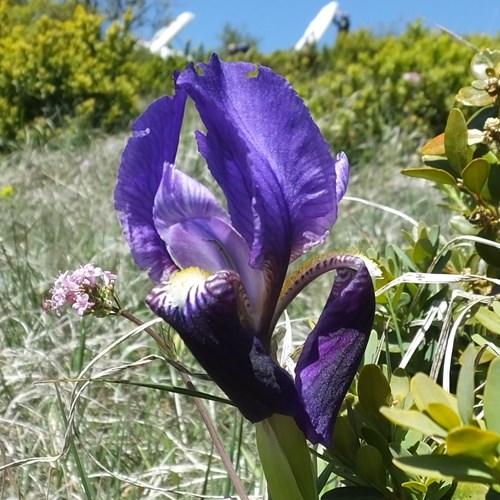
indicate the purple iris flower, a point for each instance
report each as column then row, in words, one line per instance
column 221, row 273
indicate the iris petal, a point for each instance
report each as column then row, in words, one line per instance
column 154, row 141
column 268, row 156
column 209, row 323
column 333, row 350
column 197, row 232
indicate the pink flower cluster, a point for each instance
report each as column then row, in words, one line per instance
column 79, row 288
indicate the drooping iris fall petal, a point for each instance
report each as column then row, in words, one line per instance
column 208, row 317
column 334, row 349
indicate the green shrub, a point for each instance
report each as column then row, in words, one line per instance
column 57, row 68
column 362, row 86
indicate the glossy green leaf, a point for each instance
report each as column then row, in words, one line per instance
column 431, row 174
column 474, row 97
column 494, row 183
column 374, row 390
column 369, row 464
column 488, row 253
column 414, row 420
column 345, row 441
column 465, row 385
column 375, row 439
column 483, row 60
column 489, row 319
column 445, row 467
column 353, row 492
column 285, row 459
column 400, row 386
column 472, row 442
column 470, row 491
column 415, row 487
column 443, row 415
column 435, row 146
column 425, row 391
column 476, row 121
column 455, row 140
column 492, row 397
column 475, row 174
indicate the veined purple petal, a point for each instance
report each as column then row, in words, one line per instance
column 333, row 350
column 342, row 171
column 268, row 156
column 198, row 233
column 154, row 141
column 206, row 316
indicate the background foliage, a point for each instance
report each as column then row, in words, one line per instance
column 63, row 64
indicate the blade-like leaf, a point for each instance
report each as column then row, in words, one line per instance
column 489, row 319
column 492, row 397
column 465, row 386
column 285, row 459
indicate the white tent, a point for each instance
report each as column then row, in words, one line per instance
column 318, row 25
column 159, row 43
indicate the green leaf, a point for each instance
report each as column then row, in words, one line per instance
column 469, row 491
column 483, row 60
column 414, row 420
column 285, row 459
column 431, row 174
column 400, row 385
column 446, row 467
column 435, row 146
column 492, row 397
column 375, row 439
column 465, row 385
column 369, row 464
column 351, row 492
column 443, row 415
column 494, row 183
column 489, row 319
column 374, row 390
column 455, row 140
column 474, row 97
column 415, row 487
column 472, row 442
column 345, row 441
column 426, row 391
column 475, row 174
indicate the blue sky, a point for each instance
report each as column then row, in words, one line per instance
column 280, row 23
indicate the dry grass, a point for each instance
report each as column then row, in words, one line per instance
column 130, row 441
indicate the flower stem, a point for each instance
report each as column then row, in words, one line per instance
column 200, row 406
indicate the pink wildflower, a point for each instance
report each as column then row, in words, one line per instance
column 85, row 289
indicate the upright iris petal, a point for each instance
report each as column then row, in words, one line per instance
column 220, row 274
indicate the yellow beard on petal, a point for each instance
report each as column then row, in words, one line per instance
column 181, row 282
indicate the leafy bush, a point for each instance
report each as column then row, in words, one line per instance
column 365, row 84
column 55, row 68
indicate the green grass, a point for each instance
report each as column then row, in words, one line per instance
column 131, row 441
